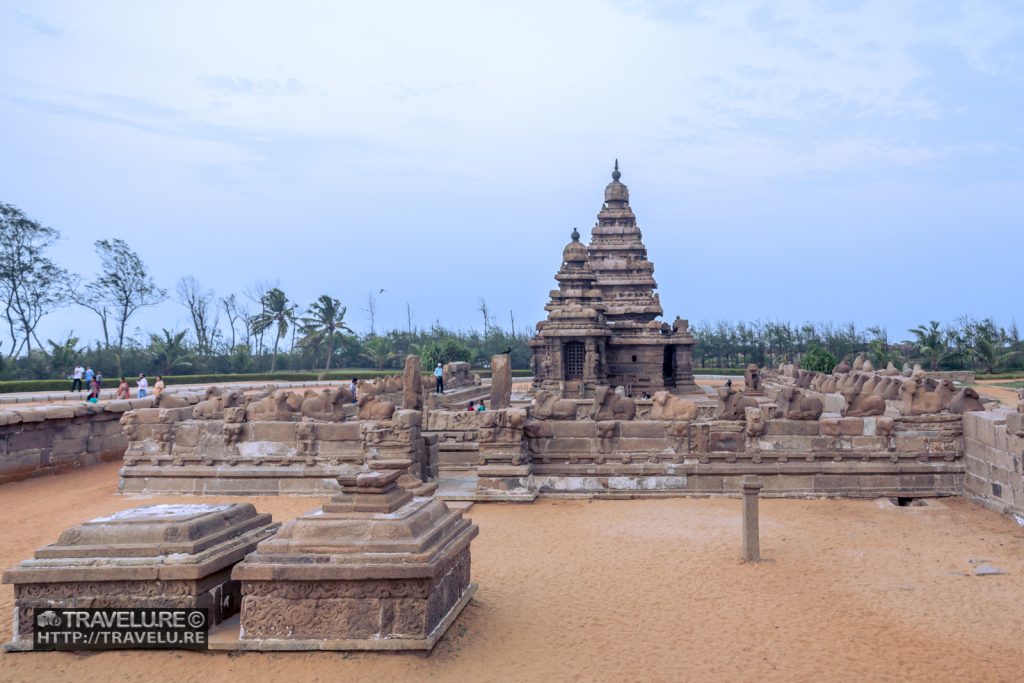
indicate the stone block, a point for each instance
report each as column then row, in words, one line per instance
column 851, row 426
column 338, row 431
column 280, row 432
column 572, row 429
column 58, row 412
column 792, row 428
column 642, row 429
column 29, row 438
column 105, row 444
column 22, row 462
column 569, row 445
column 154, row 556
column 31, row 415
column 730, row 442
column 830, row 426
column 65, row 447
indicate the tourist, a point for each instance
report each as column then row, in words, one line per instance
column 353, row 387
column 158, row 388
column 470, row 408
column 94, row 390
column 99, row 379
column 76, row 384
column 481, row 408
column 89, row 374
column 143, row 385
column 439, row 379
column 123, row 392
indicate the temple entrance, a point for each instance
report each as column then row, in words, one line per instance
column 573, row 354
column 668, row 367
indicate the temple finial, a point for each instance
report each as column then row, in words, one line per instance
column 575, row 235
column 615, row 174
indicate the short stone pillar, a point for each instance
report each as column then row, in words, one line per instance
column 751, row 539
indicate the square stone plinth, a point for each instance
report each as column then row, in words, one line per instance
column 154, row 556
column 375, row 569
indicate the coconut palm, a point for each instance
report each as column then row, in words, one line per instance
column 378, row 351
column 930, row 343
column 169, row 351
column 324, row 323
column 276, row 312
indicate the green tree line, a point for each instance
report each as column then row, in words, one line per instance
column 263, row 330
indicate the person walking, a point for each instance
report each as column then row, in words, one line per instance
column 94, row 391
column 76, row 376
column 123, row 391
column 143, row 386
column 158, row 388
column 439, row 379
column 89, row 374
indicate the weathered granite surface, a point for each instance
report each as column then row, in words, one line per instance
column 373, row 568
column 152, row 556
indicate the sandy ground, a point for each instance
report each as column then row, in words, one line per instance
column 1005, row 395
column 636, row 590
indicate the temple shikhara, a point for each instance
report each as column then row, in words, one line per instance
column 603, row 325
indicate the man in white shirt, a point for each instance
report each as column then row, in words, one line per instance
column 143, row 385
column 76, row 384
column 439, row 378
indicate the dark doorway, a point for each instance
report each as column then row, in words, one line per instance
column 668, row 366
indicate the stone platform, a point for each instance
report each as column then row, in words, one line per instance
column 374, row 569
column 154, row 556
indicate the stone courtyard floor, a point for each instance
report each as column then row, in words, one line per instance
column 635, row 590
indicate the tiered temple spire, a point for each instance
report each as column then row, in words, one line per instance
column 602, row 326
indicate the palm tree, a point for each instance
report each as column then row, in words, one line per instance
column 929, row 343
column 63, row 354
column 169, row 351
column 276, row 311
column 324, row 323
column 378, row 351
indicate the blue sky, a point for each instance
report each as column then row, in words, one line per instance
column 819, row 160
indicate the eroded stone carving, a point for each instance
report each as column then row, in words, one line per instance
column 667, row 406
column 547, row 406
column 796, row 406
column 964, row 401
column 612, row 405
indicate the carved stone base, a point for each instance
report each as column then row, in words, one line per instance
column 409, row 609
column 154, row 556
column 374, row 564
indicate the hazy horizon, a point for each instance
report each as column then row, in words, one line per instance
column 837, row 160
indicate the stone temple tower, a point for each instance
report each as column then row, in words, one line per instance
column 603, row 323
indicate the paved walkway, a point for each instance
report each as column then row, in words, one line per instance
column 108, row 394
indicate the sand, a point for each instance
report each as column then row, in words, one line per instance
column 635, row 590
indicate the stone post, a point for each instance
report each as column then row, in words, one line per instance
column 501, row 381
column 412, row 384
column 751, row 540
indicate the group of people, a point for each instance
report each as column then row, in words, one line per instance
column 473, row 407
column 94, row 382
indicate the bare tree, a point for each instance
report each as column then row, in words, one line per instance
column 31, row 285
column 408, row 317
column 234, row 312
column 371, row 310
column 482, row 307
column 257, row 294
column 201, row 307
column 120, row 289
